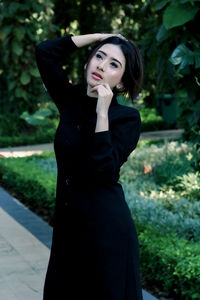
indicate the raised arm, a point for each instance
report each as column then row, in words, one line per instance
column 51, row 55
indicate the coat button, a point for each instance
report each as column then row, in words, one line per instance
column 66, row 203
column 78, row 127
column 67, row 181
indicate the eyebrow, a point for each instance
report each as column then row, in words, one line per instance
column 111, row 57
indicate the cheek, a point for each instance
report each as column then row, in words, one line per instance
column 90, row 67
column 115, row 75
column 91, row 64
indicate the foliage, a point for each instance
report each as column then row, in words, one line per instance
column 170, row 46
column 165, row 214
column 150, row 120
column 41, row 116
column 39, row 137
column 169, row 193
column 169, row 261
column 22, row 26
column 37, row 188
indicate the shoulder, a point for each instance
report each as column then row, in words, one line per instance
column 121, row 113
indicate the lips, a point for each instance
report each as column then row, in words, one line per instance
column 97, row 75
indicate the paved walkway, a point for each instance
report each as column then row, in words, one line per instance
column 25, row 241
column 162, row 134
column 38, row 149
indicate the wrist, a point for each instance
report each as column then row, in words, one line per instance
column 103, row 115
column 97, row 37
column 86, row 39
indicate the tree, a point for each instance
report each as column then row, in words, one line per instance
column 22, row 27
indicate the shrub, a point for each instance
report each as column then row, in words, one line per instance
column 35, row 186
column 171, row 262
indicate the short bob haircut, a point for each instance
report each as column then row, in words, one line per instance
column 133, row 73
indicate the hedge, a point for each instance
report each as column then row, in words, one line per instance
column 35, row 187
column 171, row 262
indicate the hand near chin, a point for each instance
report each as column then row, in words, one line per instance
column 105, row 95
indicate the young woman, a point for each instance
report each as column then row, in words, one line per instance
column 95, row 250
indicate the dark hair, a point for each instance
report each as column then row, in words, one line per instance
column 133, row 73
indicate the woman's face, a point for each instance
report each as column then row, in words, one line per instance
column 106, row 66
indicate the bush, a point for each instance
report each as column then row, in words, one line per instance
column 171, row 262
column 181, row 217
column 39, row 138
column 35, row 186
column 150, row 120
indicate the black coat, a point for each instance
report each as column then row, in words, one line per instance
column 95, row 250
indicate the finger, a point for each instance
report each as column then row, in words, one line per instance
column 98, row 85
column 95, row 89
column 107, row 86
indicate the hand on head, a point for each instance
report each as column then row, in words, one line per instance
column 104, row 36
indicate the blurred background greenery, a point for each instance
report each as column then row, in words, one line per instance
column 166, row 32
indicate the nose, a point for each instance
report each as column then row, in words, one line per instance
column 101, row 66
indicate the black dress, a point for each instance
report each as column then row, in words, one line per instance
column 95, row 250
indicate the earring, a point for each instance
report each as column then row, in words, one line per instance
column 119, row 86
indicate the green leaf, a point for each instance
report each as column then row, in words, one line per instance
column 13, row 7
column 7, row 29
column 34, row 72
column 25, row 78
column 196, row 106
column 25, row 115
column 184, row 1
column 162, row 34
column 11, row 85
column 161, row 4
column 197, row 59
column 16, row 48
column 53, row 106
column 197, row 81
column 183, row 56
column 19, row 33
column 18, row 92
column 177, row 14
column 38, row 118
column 42, row 112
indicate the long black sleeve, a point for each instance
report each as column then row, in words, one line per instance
column 110, row 149
column 50, row 56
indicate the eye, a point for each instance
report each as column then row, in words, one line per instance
column 114, row 65
column 98, row 55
